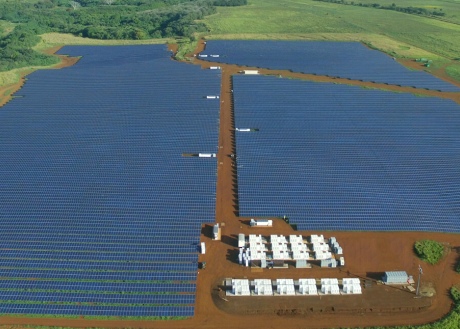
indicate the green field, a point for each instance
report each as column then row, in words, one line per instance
column 399, row 34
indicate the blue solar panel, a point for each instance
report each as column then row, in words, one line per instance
column 336, row 157
column 95, row 194
column 338, row 59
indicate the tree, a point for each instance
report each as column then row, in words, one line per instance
column 429, row 250
column 75, row 5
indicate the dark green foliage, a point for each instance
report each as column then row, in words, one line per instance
column 455, row 293
column 428, row 250
column 407, row 10
column 230, row 3
column 15, row 50
column 123, row 19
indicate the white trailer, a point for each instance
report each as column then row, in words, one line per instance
column 212, row 97
column 250, row 72
column 206, row 155
column 203, row 248
column 261, row 222
column 214, row 68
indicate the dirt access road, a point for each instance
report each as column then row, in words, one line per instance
column 367, row 254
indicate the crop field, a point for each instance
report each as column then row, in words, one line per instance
column 100, row 213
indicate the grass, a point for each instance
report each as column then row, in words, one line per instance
column 453, row 71
column 310, row 18
column 398, row 34
column 5, row 27
column 49, row 40
column 450, row 8
column 186, row 46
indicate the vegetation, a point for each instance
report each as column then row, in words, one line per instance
column 16, row 50
column 455, row 293
column 393, row 6
column 429, row 251
column 95, row 19
column 396, row 33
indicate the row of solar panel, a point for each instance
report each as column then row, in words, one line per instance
column 144, row 249
column 114, row 237
column 76, row 274
column 97, row 298
column 100, row 160
column 100, row 266
column 93, row 310
column 32, row 254
column 78, row 235
column 338, row 59
column 133, row 287
column 333, row 162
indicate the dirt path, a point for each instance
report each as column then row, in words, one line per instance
column 367, row 254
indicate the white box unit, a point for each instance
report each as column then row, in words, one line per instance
column 308, row 289
column 241, row 240
column 250, row 72
column 286, row 290
column 320, row 255
column 203, row 248
column 330, row 289
column 295, row 239
column 307, row 282
column 316, row 238
column 347, row 281
column 352, row 289
column 329, row 281
column 261, row 222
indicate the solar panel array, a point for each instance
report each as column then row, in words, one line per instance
column 338, row 59
column 100, row 214
column 336, row 157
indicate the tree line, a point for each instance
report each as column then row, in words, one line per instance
column 393, row 6
column 98, row 19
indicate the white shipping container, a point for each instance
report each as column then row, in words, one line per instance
column 203, row 248
column 207, row 155
column 251, row 72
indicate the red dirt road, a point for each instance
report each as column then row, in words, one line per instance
column 367, row 254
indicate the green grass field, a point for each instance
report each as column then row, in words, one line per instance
column 402, row 35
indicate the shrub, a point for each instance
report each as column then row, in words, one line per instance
column 429, row 251
column 455, row 293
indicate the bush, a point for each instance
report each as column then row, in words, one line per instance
column 455, row 293
column 429, row 251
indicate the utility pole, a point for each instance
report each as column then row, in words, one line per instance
column 420, row 272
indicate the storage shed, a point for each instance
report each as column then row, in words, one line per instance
column 395, row 277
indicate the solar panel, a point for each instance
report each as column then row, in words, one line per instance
column 336, row 59
column 336, row 157
column 95, row 195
